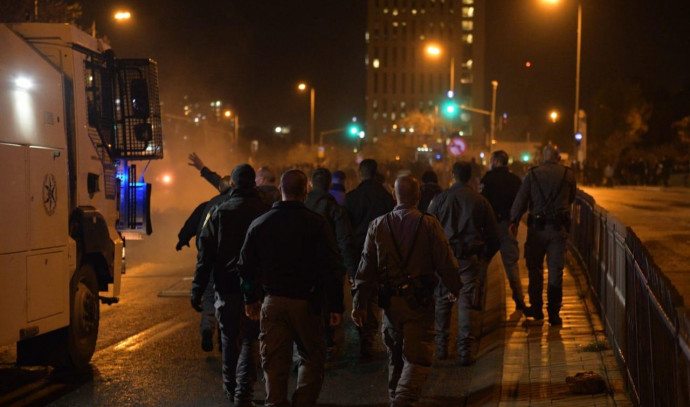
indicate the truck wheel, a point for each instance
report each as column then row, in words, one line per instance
column 84, row 316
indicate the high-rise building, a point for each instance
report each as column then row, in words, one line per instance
column 418, row 51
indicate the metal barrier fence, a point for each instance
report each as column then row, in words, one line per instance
column 645, row 319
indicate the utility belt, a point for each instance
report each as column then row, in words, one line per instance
column 558, row 220
column 418, row 292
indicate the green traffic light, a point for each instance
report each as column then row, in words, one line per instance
column 353, row 130
column 450, row 109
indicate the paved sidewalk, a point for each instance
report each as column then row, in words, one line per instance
column 537, row 357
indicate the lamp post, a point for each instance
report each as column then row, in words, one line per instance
column 494, row 86
column 435, row 51
column 236, row 125
column 312, row 97
column 576, row 122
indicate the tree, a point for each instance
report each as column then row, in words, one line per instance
column 49, row 11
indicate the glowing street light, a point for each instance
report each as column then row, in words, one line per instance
column 434, row 51
column 227, row 114
column 553, row 115
column 312, row 97
column 122, row 15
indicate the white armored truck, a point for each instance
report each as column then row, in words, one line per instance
column 74, row 121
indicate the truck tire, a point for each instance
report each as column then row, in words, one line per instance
column 84, row 316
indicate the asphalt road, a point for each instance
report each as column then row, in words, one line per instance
column 661, row 219
column 149, row 354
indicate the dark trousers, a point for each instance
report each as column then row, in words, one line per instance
column 208, row 313
column 367, row 333
column 549, row 243
column 240, row 346
column 285, row 321
column 471, row 278
column 409, row 337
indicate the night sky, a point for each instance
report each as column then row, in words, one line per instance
column 253, row 53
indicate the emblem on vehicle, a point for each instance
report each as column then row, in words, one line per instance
column 49, row 194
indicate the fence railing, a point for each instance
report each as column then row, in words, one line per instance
column 645, row 318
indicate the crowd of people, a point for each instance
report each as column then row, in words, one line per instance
column 274, row 261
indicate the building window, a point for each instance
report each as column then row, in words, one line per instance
column 394, row 83
column 468, row 2
column 385, row 83
column 467, row 12
column 375, row 104
column 402, row 83
column 467, row 38
column 395, row 56
column 376, row 63
column 403, row 51
column 376, row 83
column 467, row 25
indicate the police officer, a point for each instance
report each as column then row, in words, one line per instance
column 500, row 186
column 220, row 241
column 470, row 225
column 403, row 249
column 548, row 190
column 322, row 202
column 290, row 267
column 365, row 203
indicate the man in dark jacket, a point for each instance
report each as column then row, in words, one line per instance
column 323, row 203
column 470, row 225
column 338, row 187
column 289, row 267
column 406, row 252
column 266, row 184
column 429, row 189
column 192, row 227
column 365, row 203
column 500, row 186
column 220, row 241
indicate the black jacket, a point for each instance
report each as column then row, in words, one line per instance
column 500, row 187
column 221, row 239
column 468, row 221
column 325, row 205
column 427, row 193
column 193, row 224
column 288, row 252
column 365, row 203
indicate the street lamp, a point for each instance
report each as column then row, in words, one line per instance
column 576, row 125
column 312, row 96
column 435, row 51
column 122, row 15
column 236, row 125
column 553, row 115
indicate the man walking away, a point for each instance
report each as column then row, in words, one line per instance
column 290, row 267
column 470, row 225
column 220, row 241
column 265, row 183
column 429, row 189
column 192, row 227
column 364, row 204
column 323, row 203
column 500, row 186
column 403, row 249
column 549, row 191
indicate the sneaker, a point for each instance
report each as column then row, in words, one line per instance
column 207, row 341
column 533, row 312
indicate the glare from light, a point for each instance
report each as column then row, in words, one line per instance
column 481, row 155
column 578, row 136
column 451, row 94
column 23, row 82
column 376, row 63
column 122, row 15
column 433, row 50
column 525, row 157
column 278, row 129
column 553, row 116
column 167, row 179
column 551, row 1
column 362, row 134
column 302, row 86
column 227, row 113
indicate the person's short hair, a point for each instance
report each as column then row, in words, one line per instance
column 293, row 183
column 462, row 171
column 267, row 174
column 339, row 177
column 243, row 176
column 551, row 153
column 367, row 168
column 407, row 190
column 429, row 176
column 321, row 178
column 500, row 157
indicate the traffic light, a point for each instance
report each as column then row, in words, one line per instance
column 353, row 130
column 450, row 109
